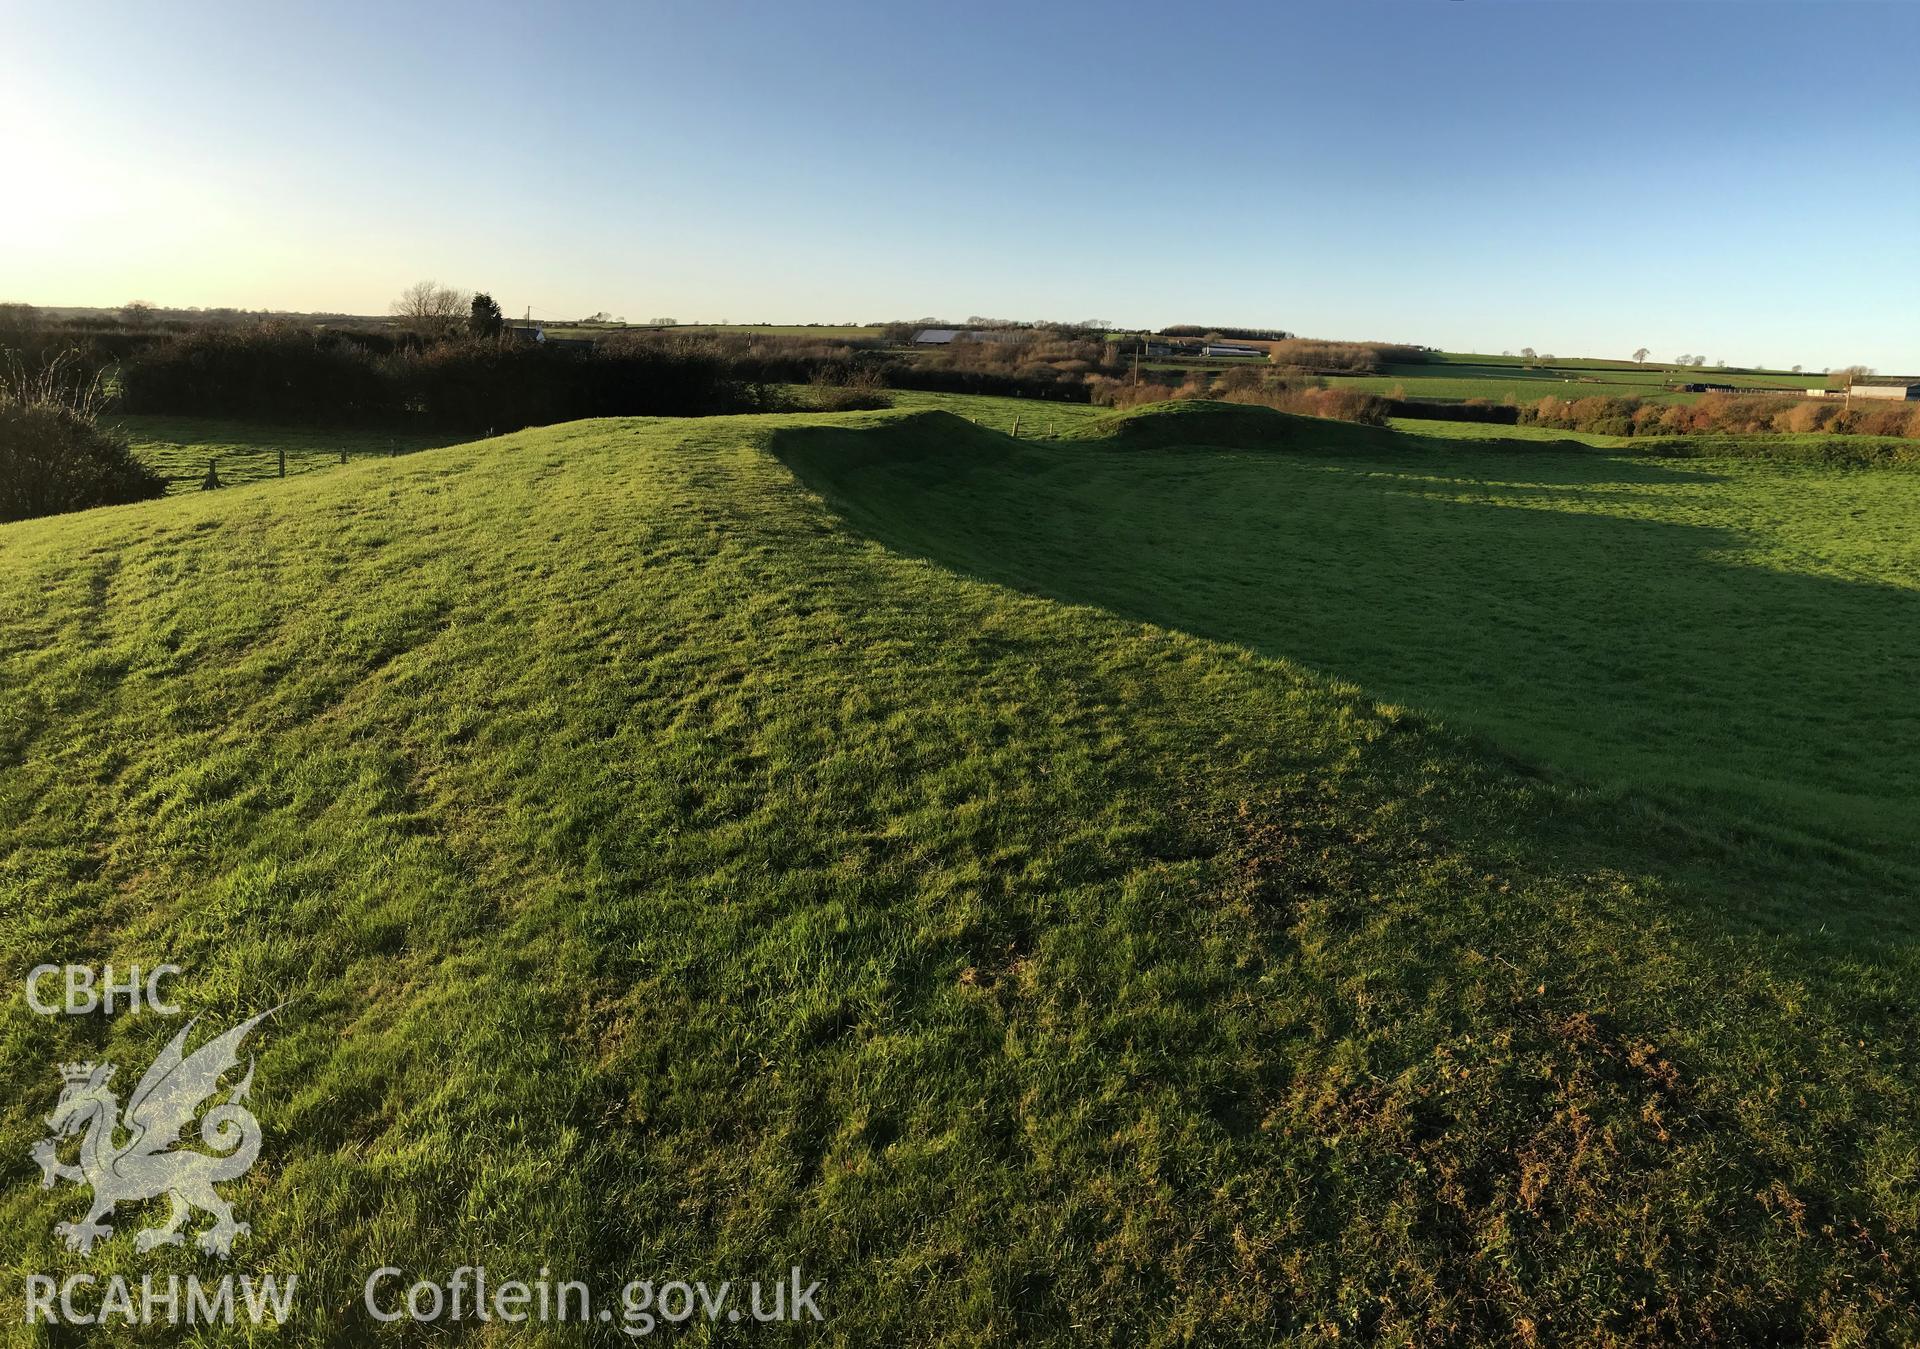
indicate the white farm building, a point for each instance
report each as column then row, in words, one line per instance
column 1897, row 391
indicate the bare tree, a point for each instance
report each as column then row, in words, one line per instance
column 137, row 313
column 1641, row 355
column 1526, row 354
column 1853, row 374
column 430, row 308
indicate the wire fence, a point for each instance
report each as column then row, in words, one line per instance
column 232, row 467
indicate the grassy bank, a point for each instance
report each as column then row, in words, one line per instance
column 1009, row 881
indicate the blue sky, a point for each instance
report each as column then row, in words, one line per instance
column 1732, row 179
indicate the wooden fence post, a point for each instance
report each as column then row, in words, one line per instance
column 283, row 461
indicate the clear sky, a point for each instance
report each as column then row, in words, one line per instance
column 1734, row 179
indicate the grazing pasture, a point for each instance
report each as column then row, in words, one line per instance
column 821, row 330
column 1229, row 877
column 1809, row 447
column 1455, row 379
column 1034, row 417
column 1727, row 631
column 1439, row 376
column 179, row 448
column 1435, row 387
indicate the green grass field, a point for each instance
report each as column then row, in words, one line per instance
column 1455, row 379
column 1221, row 878
column 1653, row 366
column 823, row 330
column 1508, row 435
column 1037, row 419
column 1777, row 446
column 1519, row 595
column 179, row 448
column 1441, row 388
column 1452, row 377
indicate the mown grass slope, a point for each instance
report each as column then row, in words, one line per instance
column 680, row 872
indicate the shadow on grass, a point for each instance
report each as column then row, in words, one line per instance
column 1512, row 595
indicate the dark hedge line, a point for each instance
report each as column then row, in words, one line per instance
column 1244, row 334
column 946, row 379
column 1495, row 414
column 261, row 373
column 477, row 386
column 291, row 374
column 299, row 374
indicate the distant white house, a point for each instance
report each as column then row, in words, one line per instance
column 1895, row 390
column 1227, row 349
column 935, row 337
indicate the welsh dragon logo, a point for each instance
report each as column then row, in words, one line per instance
column 149, row 1163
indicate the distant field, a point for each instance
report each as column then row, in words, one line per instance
column 1440, row 388
column 1488, row 431
column 1452, row 377
column 1496, row 379
column 1627, row 371
column 582, row 331
column 1455, row 391
column 179, row 448
column 777, row 329
column 1773, row 446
